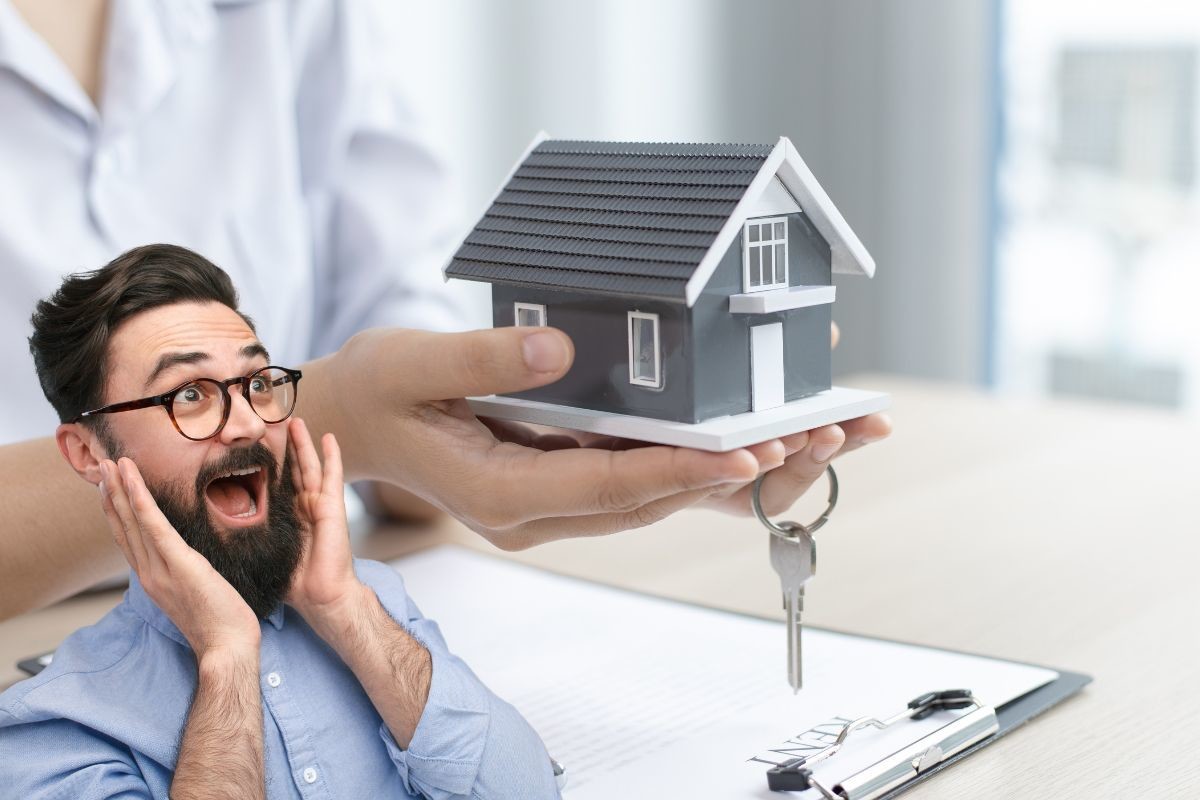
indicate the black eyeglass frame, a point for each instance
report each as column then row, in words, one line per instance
column 167, row 399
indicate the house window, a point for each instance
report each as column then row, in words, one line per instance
column 529, row 315
column 645, row 358
column 764, row 256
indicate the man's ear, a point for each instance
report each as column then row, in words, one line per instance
column 82, row 450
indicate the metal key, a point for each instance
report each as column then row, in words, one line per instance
column 794, row 558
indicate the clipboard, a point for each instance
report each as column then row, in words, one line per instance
column 576, row 686
column 1009, row 716
column 977, row 727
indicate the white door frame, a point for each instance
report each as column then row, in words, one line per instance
column 766, row 366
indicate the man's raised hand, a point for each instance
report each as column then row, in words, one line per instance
column 324, row 579
column 208, row 611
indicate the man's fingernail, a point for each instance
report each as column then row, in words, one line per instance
column 103, row 489
column 543, row 352
column 823, row 452
column 872, row 439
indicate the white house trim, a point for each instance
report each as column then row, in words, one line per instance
column 656, row 382
column 538, row 309
column 781, row 300
column 848, row 254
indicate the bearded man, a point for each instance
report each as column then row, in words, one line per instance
column 252, row 656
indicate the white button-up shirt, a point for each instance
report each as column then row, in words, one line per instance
column 264, row 135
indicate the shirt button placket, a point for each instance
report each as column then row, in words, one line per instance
column 302, row 759
column 100, row 192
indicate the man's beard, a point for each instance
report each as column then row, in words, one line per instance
column 259, row 561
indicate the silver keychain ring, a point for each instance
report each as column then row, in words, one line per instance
column 788, row 530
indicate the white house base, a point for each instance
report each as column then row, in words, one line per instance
column 718, row 435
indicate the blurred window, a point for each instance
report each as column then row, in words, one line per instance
column 1097, row 256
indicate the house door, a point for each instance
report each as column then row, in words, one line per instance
column 766, row 366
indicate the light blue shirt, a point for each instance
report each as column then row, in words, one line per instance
column 271, row 137
column 105, row 719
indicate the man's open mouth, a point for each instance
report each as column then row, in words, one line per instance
column 239, row 497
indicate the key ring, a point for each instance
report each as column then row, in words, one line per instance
column 787, row 530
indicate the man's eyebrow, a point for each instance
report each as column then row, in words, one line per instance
column 253, row 350
column 170, row 360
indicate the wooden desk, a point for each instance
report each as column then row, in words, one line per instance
column 1063, row 534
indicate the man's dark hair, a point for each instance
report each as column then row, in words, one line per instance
column 72, row 328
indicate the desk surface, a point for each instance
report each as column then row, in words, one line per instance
column 1062, row 534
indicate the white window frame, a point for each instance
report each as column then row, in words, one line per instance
column 760, row 245
column 535, row 307
column 656, row 383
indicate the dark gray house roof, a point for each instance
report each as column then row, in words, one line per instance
column 622, row 218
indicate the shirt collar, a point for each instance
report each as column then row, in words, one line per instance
column 143, row 49
column 27, row 55
column 156, row 618
column 143, row 44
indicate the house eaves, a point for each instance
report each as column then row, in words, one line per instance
column 848, row 255
column 636, row 219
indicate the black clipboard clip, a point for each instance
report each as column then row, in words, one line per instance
column 903, row 765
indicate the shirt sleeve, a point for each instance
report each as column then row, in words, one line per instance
column 57, row 758
column 379, row 195
column 469, row 743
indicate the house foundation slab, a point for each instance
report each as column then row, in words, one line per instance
column 717, row 435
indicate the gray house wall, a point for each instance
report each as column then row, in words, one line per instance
column 705, row 349
column 598, row 325
column 722, row 339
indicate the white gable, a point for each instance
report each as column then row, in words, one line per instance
column 774, row 201
column 784, row 167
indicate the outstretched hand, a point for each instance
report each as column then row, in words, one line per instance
column 396, row 400
column 208, row 611
column 805, row 456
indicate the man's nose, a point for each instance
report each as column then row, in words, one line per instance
column 244, row 424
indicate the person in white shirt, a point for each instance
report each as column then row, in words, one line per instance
column 265, row 136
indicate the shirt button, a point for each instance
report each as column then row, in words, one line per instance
column 274, row 680
column 310, row 775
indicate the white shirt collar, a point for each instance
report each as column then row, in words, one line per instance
column 143, row 45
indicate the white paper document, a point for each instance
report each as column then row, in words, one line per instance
column 640, row 697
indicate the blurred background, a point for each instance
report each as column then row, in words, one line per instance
column 1023, row 172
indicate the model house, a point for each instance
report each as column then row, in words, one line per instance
column 694, row 279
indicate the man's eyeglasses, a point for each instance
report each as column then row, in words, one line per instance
column 199, row 409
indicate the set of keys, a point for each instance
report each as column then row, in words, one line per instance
column 794, row 559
